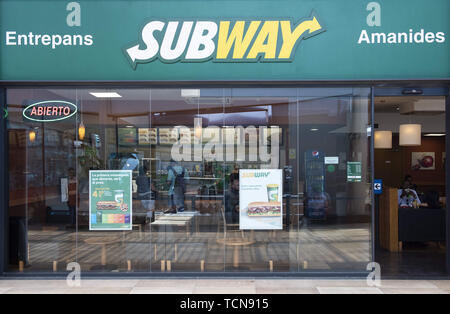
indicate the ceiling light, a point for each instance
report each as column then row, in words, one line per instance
column 32, row 136
column 410, row 135
column 81, row 131
column 314, row 130
column 198, row 128
column 105, row 94
column 383, row 139
column 435, row 134
column 187, row 93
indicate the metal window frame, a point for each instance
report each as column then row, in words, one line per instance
column 447, row 177
column 4, row 190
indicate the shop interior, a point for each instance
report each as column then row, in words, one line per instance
column 312, row 134
column 409, row 157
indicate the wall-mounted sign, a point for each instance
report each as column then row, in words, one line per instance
column 271, row 40
column 184, row 40
column 50, row 111
column 331, row 160
column 377, row 186
column 354, row 171
column 110, row 200
column 261, row 199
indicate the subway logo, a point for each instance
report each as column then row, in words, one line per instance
column 272, row 40
column 255, row 174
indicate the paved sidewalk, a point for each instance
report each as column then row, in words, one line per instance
column 224, row 286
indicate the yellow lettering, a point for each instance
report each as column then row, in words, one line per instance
column 237, row 37
column 269, row 32
column 290, row 38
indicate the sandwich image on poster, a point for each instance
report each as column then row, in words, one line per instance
column 264, row 209
column 260, row 199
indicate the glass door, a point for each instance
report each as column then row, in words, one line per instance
column 334, row 162
column 42, row 179
column 189, row 180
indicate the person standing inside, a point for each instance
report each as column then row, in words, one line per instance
column 146, row 192
column 176, row 179
column 72, row 195
column 232, row 200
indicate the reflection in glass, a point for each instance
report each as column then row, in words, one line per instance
column 185, row 150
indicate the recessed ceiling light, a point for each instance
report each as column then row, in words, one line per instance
column 314, row 130
column 105, row 94
column 435, row 134
column 188, row 93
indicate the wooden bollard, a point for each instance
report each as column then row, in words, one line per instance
column 163, row 265
column 202, row 265
column 176, row 252
column 169, row 265
column 55, row 266
column 129, row 265
column 305, row 264
column 21, row 266
column 271, row 265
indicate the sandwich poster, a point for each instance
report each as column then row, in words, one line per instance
column 110, row 200
column 261, row 199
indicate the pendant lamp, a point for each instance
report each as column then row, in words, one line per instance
column 81, row 131
column 410, row 135
column 383, row 140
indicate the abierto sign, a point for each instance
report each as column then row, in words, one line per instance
column 271, row 40
column 49, row 111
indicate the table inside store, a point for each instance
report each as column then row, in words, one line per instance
column 182, row 219
column 236, row 243
column 103, row 242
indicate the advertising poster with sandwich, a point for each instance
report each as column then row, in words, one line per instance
column 261, row 199
column 110, row 200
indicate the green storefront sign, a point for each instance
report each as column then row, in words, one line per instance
column 181, row 40
column 110, row 200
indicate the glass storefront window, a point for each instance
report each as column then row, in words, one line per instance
column 186, row 151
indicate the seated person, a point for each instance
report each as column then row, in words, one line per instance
column 407, row 196
column 408, row 182
column 432, row 199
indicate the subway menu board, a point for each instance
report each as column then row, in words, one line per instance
column 110, row 200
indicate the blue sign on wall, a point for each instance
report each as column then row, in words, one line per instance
column 377, row 186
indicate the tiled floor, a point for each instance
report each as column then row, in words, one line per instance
column 225, row 286
column 320, row 247
column 424, row 259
